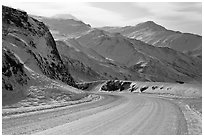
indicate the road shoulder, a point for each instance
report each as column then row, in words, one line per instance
column 192, row 111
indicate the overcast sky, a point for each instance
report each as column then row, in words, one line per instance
column 184, row 17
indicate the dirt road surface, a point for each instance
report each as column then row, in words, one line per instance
column 116, row 114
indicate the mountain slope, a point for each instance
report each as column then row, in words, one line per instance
column 110, row 46
column 196, row 52
column 73, row 59
column 154, row 34
column 31, row 41
column 86, row 65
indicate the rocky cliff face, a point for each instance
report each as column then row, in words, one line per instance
column 14, row 78
column 33, row 45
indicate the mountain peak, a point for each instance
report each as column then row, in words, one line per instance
column 150, row 25
column 150, row 22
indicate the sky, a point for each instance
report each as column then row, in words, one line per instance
column 178, row 16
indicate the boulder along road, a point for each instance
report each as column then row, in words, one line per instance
column 125, row 113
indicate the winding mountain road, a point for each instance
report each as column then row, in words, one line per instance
column 125, row 113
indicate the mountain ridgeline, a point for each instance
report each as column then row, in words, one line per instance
column 156, row 35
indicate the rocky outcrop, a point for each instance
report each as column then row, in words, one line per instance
column 14, row 78
column 115, row 85
column 33, row 44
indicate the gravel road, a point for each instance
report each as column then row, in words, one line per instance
column 125, row 113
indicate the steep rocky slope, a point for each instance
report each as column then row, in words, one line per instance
column 154, row 34
column 31, row 63
column 31, row 41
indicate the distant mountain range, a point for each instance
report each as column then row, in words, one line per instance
column 156, row 35
column 148, row 32
column 80, row 53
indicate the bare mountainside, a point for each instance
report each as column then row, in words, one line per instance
column 31, row 63
column 31, row 41
column 154, row 34
column 86, row 64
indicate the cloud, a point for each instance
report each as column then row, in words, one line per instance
column 127, row 10
column 189, row 7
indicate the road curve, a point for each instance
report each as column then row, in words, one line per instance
column 126, row 113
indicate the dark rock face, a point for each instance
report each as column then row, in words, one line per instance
column 14, row 78
column 32, row 42
column 15, row 18
column 115, row 85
